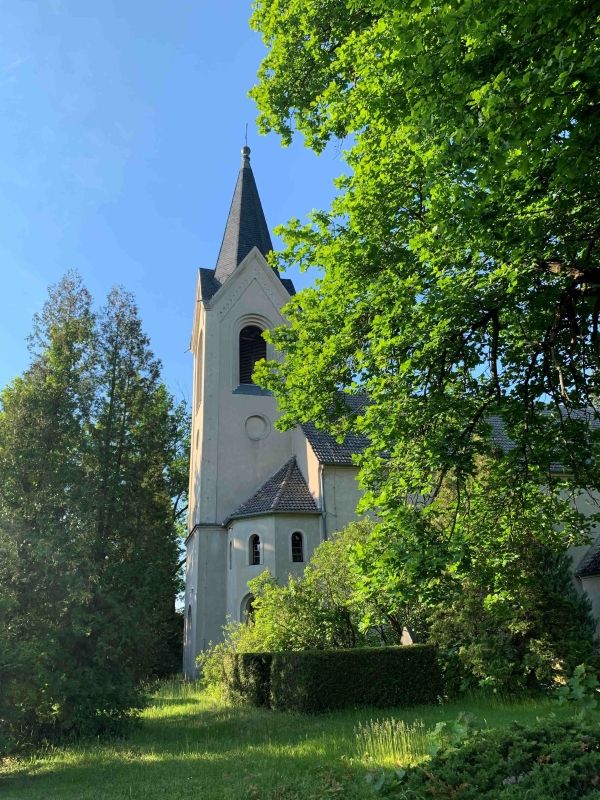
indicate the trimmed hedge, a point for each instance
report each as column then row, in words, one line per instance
column 312, row 681
column 247, row 677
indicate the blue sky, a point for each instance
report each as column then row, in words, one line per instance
column 119, row 150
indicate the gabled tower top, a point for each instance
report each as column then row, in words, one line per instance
column 246, row 224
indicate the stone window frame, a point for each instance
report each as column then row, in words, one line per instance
column 242, row 322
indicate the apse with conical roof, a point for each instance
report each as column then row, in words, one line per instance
column 246, row 224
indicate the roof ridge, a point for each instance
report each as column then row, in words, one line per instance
column 289, row 467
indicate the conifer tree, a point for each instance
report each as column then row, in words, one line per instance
column 90, row 457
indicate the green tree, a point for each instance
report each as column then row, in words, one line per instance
column 323, row 608
column 136, row 462
column 460, row 285
column 90, row 459
column 460, row 260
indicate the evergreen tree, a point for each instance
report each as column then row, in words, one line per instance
column 90, row 458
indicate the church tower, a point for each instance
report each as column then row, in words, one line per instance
column 260, row 499
column 234, row 446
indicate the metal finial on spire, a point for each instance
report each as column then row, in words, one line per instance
column 246, row 150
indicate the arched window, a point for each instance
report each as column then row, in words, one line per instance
column 297, row 547
column 254, row 549
column 248, row 609
column 252, row 348
column 230, row 553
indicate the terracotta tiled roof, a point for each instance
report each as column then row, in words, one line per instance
column 284, row 492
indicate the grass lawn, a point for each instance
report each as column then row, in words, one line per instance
column 191, row 746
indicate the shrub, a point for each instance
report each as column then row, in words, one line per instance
column 558, row 760
column 247, row 678
column 528, row 638
column 323, row 680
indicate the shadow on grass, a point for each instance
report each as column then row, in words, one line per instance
column 235, row 774
column 228, row 752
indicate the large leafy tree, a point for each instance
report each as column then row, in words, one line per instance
column 461, row 276
column 90, row 461
column 460, row 270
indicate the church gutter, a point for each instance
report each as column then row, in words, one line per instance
column 323, row 511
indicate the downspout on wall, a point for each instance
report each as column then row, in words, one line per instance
column 323, row 509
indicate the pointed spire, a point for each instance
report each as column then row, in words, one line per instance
column 246, row 225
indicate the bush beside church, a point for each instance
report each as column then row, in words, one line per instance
column 313, row 681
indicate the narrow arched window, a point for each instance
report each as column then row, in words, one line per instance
column 252, row 348
column 248, row 609
column 254, row 548
column 297, row 547
column 230, row 553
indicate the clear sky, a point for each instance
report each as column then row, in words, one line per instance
column 122, row 122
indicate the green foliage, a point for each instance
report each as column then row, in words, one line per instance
column 247, row 678
column 551, row 759
column 317, row 609
column 514, row 632
column 90, row 444
column 323, row 608
column 581, row 690
column 459, row 288
column 452, row 733
column 314, row 681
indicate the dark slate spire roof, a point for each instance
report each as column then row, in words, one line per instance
column 246, row 225
column 285, row 492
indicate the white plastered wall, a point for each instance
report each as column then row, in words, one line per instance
column 274, row 531
column 342, row 494
column 228, row 465
column 205, row 592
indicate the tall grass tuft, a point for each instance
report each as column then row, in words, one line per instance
column 392, row 742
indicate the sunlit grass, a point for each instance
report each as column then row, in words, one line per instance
column 189, row 745
column 392, row 742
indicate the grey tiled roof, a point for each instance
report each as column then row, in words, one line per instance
column 329, row 451
column 285, row 492
column 246, row 228
column 246, row 225
column 289, row 285
column 325, row 446
column 499, row 435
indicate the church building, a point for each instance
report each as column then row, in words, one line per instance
column 259, row 498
